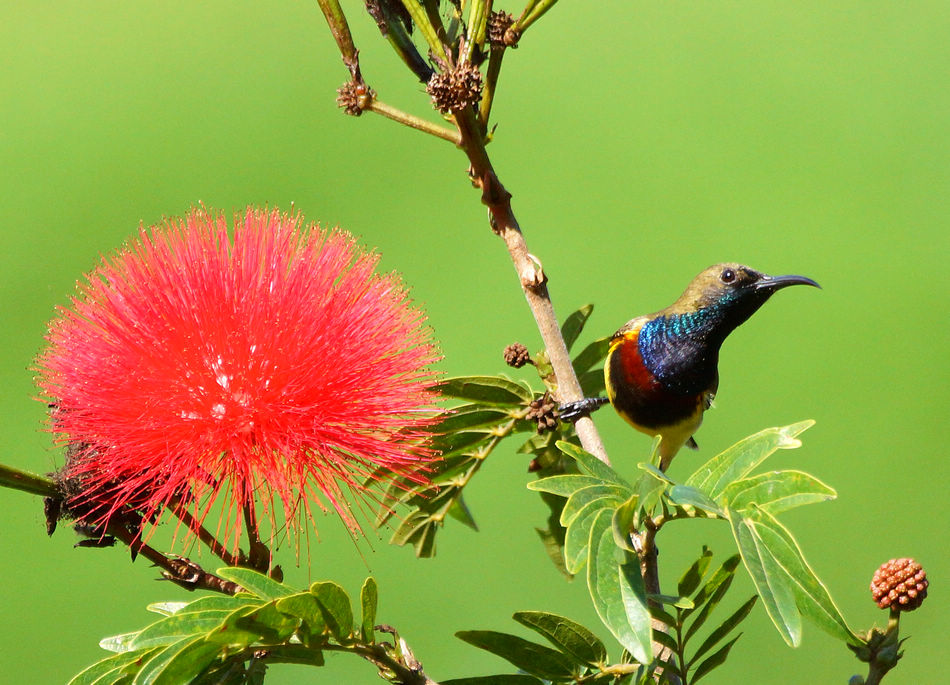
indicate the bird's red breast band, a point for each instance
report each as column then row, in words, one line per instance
column 635, row 374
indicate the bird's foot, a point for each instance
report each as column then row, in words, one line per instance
column 572, row 411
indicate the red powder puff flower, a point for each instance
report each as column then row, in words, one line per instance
column 277, row 364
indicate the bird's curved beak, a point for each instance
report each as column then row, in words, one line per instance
column 773, row 283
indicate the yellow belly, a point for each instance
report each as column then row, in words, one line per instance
column 673, row 437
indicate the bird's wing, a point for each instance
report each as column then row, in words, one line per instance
column 631, row 326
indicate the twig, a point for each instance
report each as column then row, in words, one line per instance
column 530, row 273
column 32, row 483
column 341, row 34
column 258, row 557
column 413, row 121
column 645, row 544
column 532, row 12
column 182, row 572
column 495, row 57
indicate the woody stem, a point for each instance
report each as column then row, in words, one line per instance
column 182, row 572
column 258, row 554
column 531, row 276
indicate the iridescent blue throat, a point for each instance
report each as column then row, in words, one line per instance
column 682, row 350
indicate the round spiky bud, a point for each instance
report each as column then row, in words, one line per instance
column 517, row 355
column 900, row 584
column 354, row 97
column 452, row 91
column 500, row 33
column 544, row 411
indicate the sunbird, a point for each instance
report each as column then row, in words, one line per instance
column 661, row 371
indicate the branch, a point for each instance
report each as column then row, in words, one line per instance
column 413, row 121
column 396, row 662
column 32, row 483
column 259, row 554
column 183, row 572
column 530, row 274
column 645, row 544
column 341, row 34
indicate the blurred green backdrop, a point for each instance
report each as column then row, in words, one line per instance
column 642, row 141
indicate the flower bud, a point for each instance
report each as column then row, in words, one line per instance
column 900, row 584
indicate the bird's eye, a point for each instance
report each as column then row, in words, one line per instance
column 727, row 276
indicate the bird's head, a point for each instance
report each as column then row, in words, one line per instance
column 732, row 292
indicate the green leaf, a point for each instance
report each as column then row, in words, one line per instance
column 530, row 657
column 563, row 486
column 255, row 583
column 470, row 416
column 650, row 489
column 712, row 593
column 118, row 643
column 591, row 464
column 770, row 579
column 554, row 547
column 591, row 355
column 519, row 679
column 172, row 629
column 112, row 669
column 574, row 324
column 617, row 592
column 423, row 543
column 230, row 671
column 166, row 608
column 460, row 512
column 240, row 628
column 666, row 640
column 410, row 527
column 606, row 495
column 369, row 596
column 623, row 522
column 219, row 603
column 724, row 629
column 673, row 600
column 337, row 611
column 461, row 444
column 267, row 622
column 715, row 660
column 776, row 491
column 179, row 663
column 655, row 471
column 723, row 576
column 661, row 615
column 634, row 598
column 694, row 575
column 737, row 461
column 812, row 597
column 684, row 495
column 568, row 636
column 536, row 443
column 304, row 606
column 577, row 538
column 496, row 390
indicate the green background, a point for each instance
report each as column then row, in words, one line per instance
column 642, row 141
